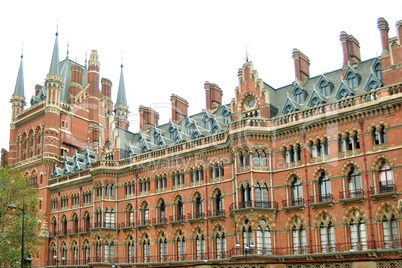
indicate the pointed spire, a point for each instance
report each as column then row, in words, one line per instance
column 55, row 63
column 121, row 93
column 19, row 85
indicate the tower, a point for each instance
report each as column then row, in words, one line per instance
column 18, row 98
column 121, row 108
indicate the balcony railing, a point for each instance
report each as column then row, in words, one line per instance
column 321, row 198
column 179, row 217
column 143, row 222
column 216, row 213
column 110, row 225
column 294, row 202
column 358, row 193
column 253, row 204
column 127, row 225
column 160, row 220
column 383, row 189
column 195, row 215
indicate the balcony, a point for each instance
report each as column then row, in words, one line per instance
column 216, row 213
column 124, row 225
column 294, row 203
column 351, row 196
column 143, row 223
column 195, row 216
column 107, row 225
column 324, row 200
column 253, row 204
column 177, row 218
column 160, row 220
column 383, row 191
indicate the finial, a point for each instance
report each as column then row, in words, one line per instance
column 86, row 57
column 121, row 60
column 68, row 48
column 246, row 54
column 22, row 50
column 57, row 27
column 287, row 93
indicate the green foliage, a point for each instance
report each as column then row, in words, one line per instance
column 14, row 190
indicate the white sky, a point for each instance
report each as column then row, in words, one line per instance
column 175, row 46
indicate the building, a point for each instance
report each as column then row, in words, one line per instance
column 305, row 175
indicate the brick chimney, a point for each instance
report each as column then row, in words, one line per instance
column 302, row 65
column 148, row 117
column 382, row 25
column 37, row 89
column 351, row 49
column 399, row 30
column 213, row 95
column 106, row 87
column 179, row 107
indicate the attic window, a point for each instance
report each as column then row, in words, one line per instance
column 377, row 71
column 299, row 95
column 325, row 88
column 352, row 80
column 207, row 124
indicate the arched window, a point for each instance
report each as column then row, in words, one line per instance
column 75, row 223
column 390, row 230
column 161, row 217
column 263, row 238
column 162, row 248
column 297, row 192
column 261, row 196
column 64, row 225
column 180, row 209
column 246, row 196
column 64, row 253
column 87, row 252
column 200, row 245
column 52, row 253
column 299, row 237
column 130, row 216
column 247, row 159
column 199, row 211
column 146, row 249
column 324, row 188
column 87, row 222
column 218, row 204
column 247, row 233
column 98, row 249
column 220, row 243
column 352, row 80
column 181, row 246
column 256, row 159
column 145, row 214
column 358, row 236
column 74, row 254
column 109, row 219
column 380, row 135
column 385, row 178
column 327, row 234
column 130, row 250
column 354, row 183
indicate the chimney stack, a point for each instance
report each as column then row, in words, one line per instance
column 148, row 117
column 179, row 107
column 37, row 89
column 399, row 30
column 302, row 65
column 106, row 87
column 382, row 25
column 213, row 95
column 351, row 49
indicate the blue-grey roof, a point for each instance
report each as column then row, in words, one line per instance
column 121, row 93
column 54, row 64
column 19, row 85
column 80, row 161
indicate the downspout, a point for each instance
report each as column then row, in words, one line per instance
column 361, row 123
column 206, row 207
column 307, row 191
column 136, row 215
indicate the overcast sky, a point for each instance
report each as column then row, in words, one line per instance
column 175, row 46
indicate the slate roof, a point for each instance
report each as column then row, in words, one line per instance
column 80, row 161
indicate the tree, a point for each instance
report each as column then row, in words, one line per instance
column 14, row 189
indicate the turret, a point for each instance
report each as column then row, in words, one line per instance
column 53, row 81
column 121, row 108
column 18, row 98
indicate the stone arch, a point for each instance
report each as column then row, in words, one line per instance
column 375, row 165
column 217, row 227
column 377, row 125
column 109, row 236
column 160, row 233
column 261, row 182
column 127, row 206
column 271, row 223
column 176, row 198
column 159, row 200
column 215, row 189
column 380, row 211
column 317, row 172
column 295, row 218
column 195, row 229
column 193, row 195
column 291, row 175
column 347, row 165
column 348, row 213
column 240, row 221
column 319, row 214
column 177, row 231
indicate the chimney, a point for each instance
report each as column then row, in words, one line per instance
column 351, row 49
column 213, row 95
column 148, row 117
column 76, row 74
column 106, row 87
column 179, row 107
column 37, row 89
column 399, row 30
column 382, row 24
column 302, row 65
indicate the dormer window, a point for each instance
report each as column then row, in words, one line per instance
column 299, row 96
column 226, row 116
column 207, row 124
column 325, row 87
column 352, row 80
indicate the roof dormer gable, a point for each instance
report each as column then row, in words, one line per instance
column 372, row 83
column 299, row 93
column 316, row 99
column 376, row 69
column 343, row 91
column 290, row 106
column 351, row 78
column 325, row 86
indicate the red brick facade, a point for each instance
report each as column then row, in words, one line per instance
column 307, row 173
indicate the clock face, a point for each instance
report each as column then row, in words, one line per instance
column 250, row 102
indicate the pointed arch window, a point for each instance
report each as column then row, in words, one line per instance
column 263, row 238
column 354, row 183
column 98, row 249
column 199, row 211
column 220, row 244
column 386, row 178
column 109, row 219
column 261, row 196
column 327, row 234
column 324, row 188
column 200, row 245
column 179, row 209
column 352, row 80
column 130, row 216
column 87, row 252
column 377, row 71
column 299, row 238
column 162, row 248
column 146, row 249
column 218, row 204
column 162, row 213
column 247, row 234
column 109, row 251
column 380, row 135
column 297, row 192
column 358, row 236
column 390, row 230
column 181, row 246
column 245, row 195
column 130, row 251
